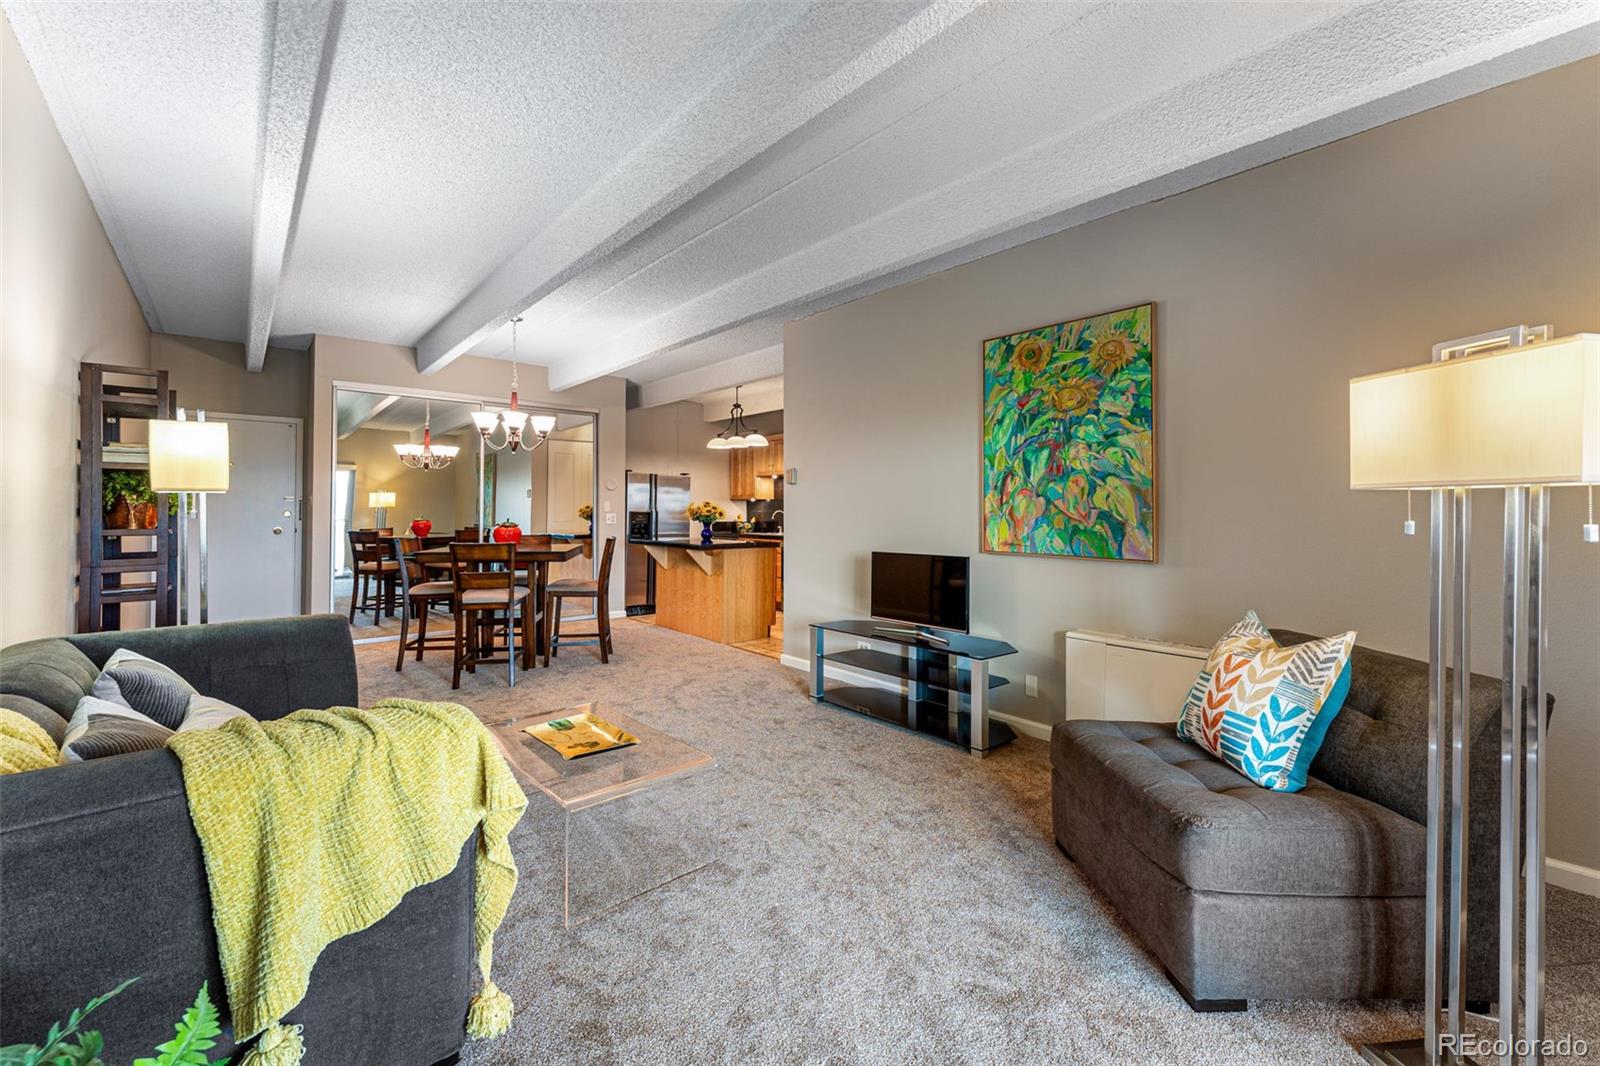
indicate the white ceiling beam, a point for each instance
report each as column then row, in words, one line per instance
column 1192, row 135
column 753, row 107
column 752, row 366
column 301, row 38
column 356, row 409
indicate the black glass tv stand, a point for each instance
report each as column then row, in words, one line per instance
column 940, row 681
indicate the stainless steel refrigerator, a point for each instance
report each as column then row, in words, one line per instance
column 658, row 507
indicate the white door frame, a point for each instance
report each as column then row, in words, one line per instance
column 299, row 427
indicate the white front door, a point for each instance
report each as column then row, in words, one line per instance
column 253, row 528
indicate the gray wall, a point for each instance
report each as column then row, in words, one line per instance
column 211, row 374
column 1272, row 289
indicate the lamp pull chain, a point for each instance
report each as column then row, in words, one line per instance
column 1591, row 531
column 1410, row 528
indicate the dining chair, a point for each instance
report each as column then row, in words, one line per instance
column 374, row 565
column 468, row 535
column 581, row 588
column 485, row 579
column 418, row 596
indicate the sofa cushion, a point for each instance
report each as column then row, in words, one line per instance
column 54, row 725
column 268, row 668
column 1214, row 830
column 51, row 671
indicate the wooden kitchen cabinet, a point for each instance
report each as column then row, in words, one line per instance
column 769, row 460
column 751, row 471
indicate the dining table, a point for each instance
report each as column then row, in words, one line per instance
column 534, row 554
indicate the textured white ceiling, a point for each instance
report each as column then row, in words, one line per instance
column 658, row 187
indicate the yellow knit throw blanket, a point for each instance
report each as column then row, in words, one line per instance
column 315, row 825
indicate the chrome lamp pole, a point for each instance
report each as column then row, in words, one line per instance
column 1519, row 410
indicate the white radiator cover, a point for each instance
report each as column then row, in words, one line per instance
column 1127, row 679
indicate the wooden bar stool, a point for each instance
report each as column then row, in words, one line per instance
column 418, row 595
column 581, row 588
column 486, row 585
column 374, row 564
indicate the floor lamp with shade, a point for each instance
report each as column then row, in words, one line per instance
column 380, row 502
column 1516, row 410
column 189, row 458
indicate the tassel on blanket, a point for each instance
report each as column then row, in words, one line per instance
column 489, row 1015
column 280, row 1045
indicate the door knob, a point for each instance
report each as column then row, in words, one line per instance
column 276, row 530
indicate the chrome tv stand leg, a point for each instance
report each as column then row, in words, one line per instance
column 818, row 641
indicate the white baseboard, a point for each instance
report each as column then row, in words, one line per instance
column 1026, row 726
column 1570, row 875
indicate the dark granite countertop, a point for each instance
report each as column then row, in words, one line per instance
column 695, row 544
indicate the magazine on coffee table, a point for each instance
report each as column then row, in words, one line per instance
column 580, row 734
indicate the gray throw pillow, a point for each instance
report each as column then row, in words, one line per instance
column 100, row 727
column 154, row 690
column 208, row 712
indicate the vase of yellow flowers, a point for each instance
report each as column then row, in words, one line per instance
column 586, row 514
column 705, row 512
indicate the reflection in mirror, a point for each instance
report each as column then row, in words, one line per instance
column 545, row 491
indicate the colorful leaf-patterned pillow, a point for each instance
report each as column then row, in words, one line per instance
column 1263, row 709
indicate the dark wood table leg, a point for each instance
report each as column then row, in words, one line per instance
column 540, row 583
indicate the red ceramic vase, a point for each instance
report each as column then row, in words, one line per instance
column 421, row 527
column 507, row 534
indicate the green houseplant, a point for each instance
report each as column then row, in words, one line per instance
column 65, row 1045
column 128, row 500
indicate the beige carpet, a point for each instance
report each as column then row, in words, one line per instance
column 878, row 898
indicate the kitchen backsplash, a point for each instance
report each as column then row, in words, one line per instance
column 762, row 510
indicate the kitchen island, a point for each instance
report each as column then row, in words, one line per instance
column 724, row 590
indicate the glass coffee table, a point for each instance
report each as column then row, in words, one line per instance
column 613, row 852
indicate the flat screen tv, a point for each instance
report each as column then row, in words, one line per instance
column 920, row 590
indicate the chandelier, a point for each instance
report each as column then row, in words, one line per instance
column 736, row 434
column 510, row 424
column 426, row 456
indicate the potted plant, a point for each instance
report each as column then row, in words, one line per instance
column 128, row 501
column 421, row 527
column 705, row 512
column 507, row 532
column 586, row 513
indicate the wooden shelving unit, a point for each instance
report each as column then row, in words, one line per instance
column 110, row 572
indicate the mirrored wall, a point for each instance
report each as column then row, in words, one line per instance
column 546, row 489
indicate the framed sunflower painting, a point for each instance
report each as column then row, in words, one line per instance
column 1069, row 448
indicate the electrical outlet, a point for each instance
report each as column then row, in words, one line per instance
column 611, row 518
column 1030, row 684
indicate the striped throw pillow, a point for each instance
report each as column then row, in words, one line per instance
column 100, row 728
column 1264, row 709
column 139, row 682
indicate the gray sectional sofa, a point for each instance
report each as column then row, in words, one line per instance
column 1242, row 893
column 101, row 875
